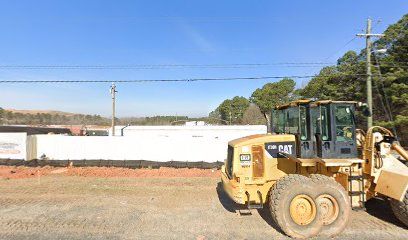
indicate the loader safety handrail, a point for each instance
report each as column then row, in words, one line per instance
column 368, row 153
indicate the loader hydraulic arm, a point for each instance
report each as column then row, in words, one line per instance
column 394, row 146
column 400, row 150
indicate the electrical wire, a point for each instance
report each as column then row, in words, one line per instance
column 164, row 66
column 174, row 80
column 168, row 67
column 387, row 103
column 339, row 49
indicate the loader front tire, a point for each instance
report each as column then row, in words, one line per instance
column 293, row 207
column 400, row 209
column 334, row 204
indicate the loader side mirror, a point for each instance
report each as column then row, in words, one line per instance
column 363, row 107
column 366, row 112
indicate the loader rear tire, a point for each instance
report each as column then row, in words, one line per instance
column 334, row 204
column 400, row 209
column 293, row 207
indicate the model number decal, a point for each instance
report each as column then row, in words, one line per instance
column 280, row 147
column 245, row 160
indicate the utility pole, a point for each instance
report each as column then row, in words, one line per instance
column 368, row 36
column 113, row 94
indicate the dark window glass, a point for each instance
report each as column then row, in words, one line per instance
column 304, row 135
column 275, row 121
column 325, row 123
column 292, row 120
column 315, row 115
column 229, row 162
column 280, row 126
column 344, row 123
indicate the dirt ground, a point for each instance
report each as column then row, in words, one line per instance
column 114, row 203
column 12, row 172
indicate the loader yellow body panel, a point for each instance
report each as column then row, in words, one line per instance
column 392, row 183
column 254, row 169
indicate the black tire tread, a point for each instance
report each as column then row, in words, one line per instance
column 276, row 192
column 400, row 209
column 326, row 180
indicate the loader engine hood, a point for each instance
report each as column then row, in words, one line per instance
column 273, row 144
column 261, row 138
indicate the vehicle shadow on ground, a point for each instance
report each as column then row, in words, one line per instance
column 226, row 201
column 266, row 216
column 233, row 207
column 381, row 209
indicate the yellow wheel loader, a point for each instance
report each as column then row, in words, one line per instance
column 315, row 167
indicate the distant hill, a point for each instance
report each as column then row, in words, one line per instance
column 49, row 117
column 52, row 117
column 52, row 112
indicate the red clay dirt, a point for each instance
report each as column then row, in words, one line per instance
column 15, row 172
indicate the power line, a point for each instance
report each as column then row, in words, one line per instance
column 178, row 66
column 387, row 103
column 154, row 66
column 176, row 80
column 341, row 48
column 350, row 41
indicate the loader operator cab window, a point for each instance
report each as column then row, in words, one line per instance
column 279, row 121
column 315, row 115
column 304, row 133
column 229, row 162
column 292, row 120
column 292, row 116
column 320, row 117
column 325, row 123
column 344, row 123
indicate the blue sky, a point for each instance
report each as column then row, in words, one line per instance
column 170, row 32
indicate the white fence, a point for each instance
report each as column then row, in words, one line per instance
column 13, row 145
column 161, row 144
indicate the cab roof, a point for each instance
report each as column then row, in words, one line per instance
column 311, row 103
column 294, row 103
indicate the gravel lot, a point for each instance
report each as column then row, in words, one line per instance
column 61, row 206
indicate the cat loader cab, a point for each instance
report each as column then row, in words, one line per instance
column 312, row 171
column 324, row 129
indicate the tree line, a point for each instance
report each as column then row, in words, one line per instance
column 345, row 80
column 16, row 118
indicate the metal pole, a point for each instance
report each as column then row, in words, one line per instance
column 113, row 94
column 368, row 36
column 369, row 77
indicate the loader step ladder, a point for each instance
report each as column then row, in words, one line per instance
column 356, row 193
column 251, row 204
